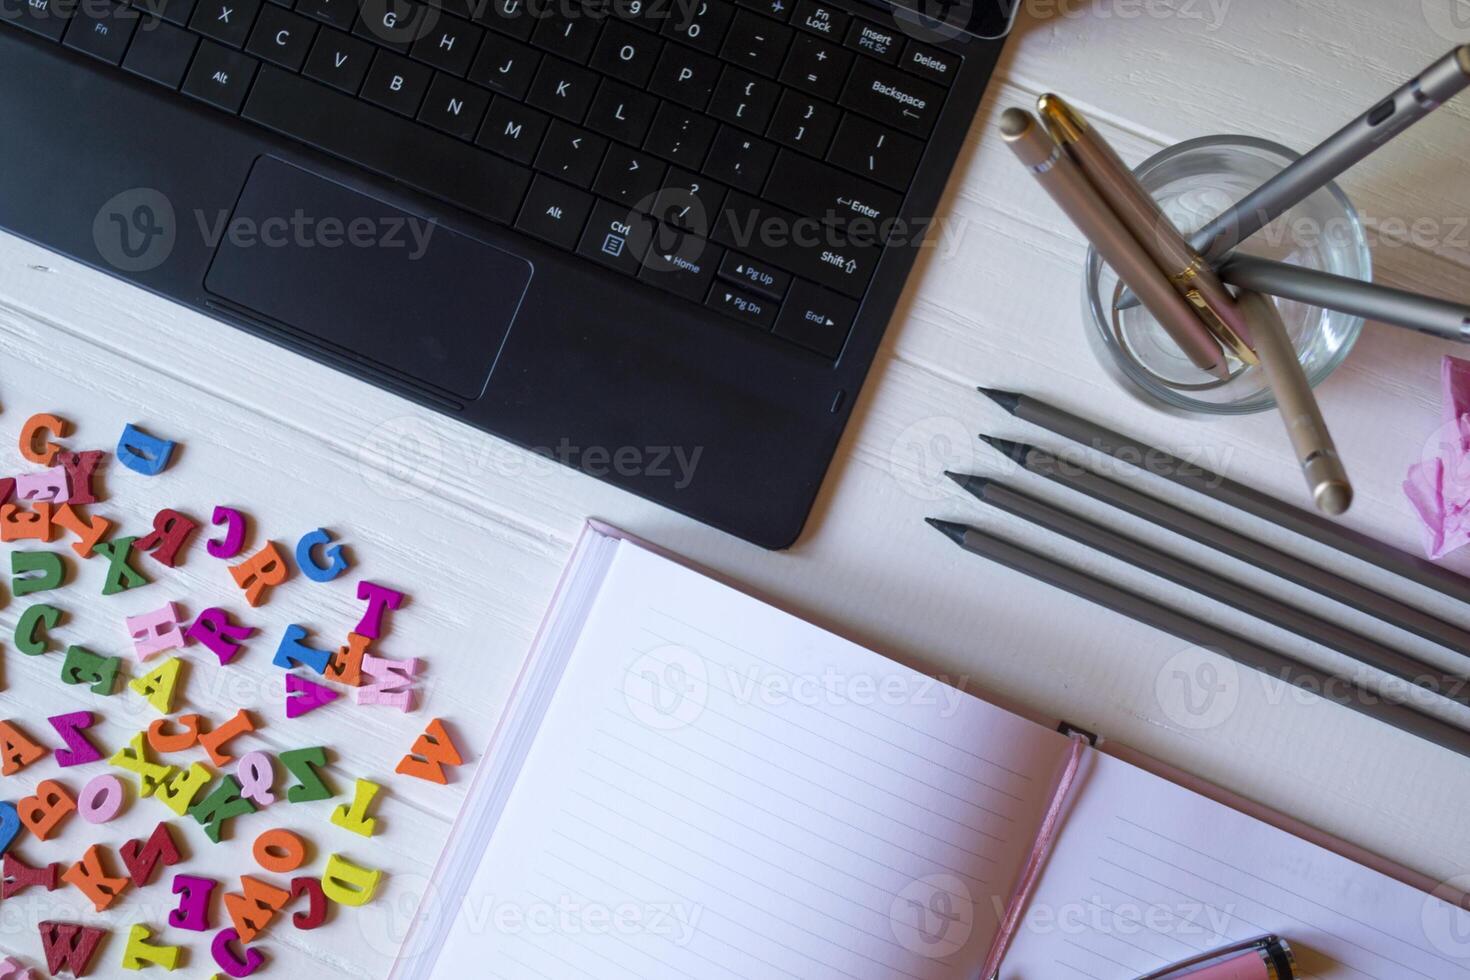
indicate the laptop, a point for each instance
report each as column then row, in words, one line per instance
column 655, row 240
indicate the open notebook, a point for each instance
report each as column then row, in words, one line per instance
column 690, row 783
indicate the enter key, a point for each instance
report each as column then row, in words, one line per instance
column 818, row 190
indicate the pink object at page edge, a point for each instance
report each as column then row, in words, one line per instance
column 1439, row 485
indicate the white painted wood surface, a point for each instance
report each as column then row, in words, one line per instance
column 476, row 531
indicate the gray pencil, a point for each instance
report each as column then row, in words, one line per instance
column 1264, row 607
column 1238, row 495
column 1398, row 307
column 1408, row 104
column 1245, row 652
column 1238, row 546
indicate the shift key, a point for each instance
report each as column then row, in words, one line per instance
column 841, row 259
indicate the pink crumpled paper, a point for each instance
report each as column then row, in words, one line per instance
column 1439, row 487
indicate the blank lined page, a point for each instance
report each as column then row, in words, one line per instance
column 1147, row 873
column 720, row 790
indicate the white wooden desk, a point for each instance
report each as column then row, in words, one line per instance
column 477, row 531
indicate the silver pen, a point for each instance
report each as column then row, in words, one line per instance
column 1410, row 103
column 1372, row 301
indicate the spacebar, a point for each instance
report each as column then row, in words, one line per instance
column 437, row 165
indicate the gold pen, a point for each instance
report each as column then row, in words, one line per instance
column 1315, row 450
column 1141, row 215
column 1061, row 178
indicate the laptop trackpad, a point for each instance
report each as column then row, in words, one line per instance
column 365, row 280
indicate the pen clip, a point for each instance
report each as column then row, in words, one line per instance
column 1217, row 326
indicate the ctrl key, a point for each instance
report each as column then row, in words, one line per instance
column 815, row 318
column 757, row 311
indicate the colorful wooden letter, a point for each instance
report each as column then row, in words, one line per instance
column 430, row 754
column 233, row 542
column 142, row 453
column 303, row 764
column 243, row 965
column 261, row 572
column 345, row 667
column 347, row 884
column 183, row 786
column 32, row 631
column 139, row 952
column 89, row 531
column 82, row 666
column 214, row 630
column 48, row 485
column 304, row 696
column 69, row 946
column 256, row 774
column 392, row 682
column 157, row 686
column 81, row 469
column 380, row 599
column 9, row 825
column 134, row 758
column 160, row 739
column 78, row 750
column 19, row 876
column 101, row 799
column 354, row 817
column 43, row 812
column 121, row 575
column 253, row 910
column 214, row 742
column 315, row 912
column 193, row 910
column 33, row 448
column 156, row 631
column 223, row 805
column 142, row 857
column 169, row 537
column 280, row 851
column 89, row 876
column 292, row 652
column 36, row 571
column 17, row 750
column 336, row 557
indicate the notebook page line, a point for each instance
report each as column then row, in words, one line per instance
column 1022, row 776
column 828, row 766
column 744, row 701
column 968, row 852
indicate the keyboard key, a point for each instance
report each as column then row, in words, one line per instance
column 282, row 37
column 817, row 67
column 340, row 60
column 868, row 38
column 450, row 46
column 513, row 130
column 505, row 66
column 622, row 113
column 227, row 21
column 680, row 137
column 893, row 97
column 48, row 18
column 754, row 275
column 567, row 32
column 804, row 122
column 506, row 16
column 160, row 53
column 174, row 11
column 779, row 9
column 816, row 319
column 616, row 237
column 555, row 212
column 756, row 43
column 396, row 83
column 876, row 151
column 701, row 23
column 755, row 311
column 648, row 15
column 819, row 18
column 684, row 265
column 685, row 76
column 336, row 13
column 832, row 257
column 744, row 99
column 627, row 53
column 409, row 153
column 689, row 202
column 454, row 106
column 740, row 159
column 630, row 177
column 930, row 63
column 570, row 154
column 395, row 24
column 220, row 77
column 562, row 89
column 822, row 191
column 102, row 30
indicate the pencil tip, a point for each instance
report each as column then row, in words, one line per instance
column 1008, row 400
column 973, row 484
column 1015, row 450
column 955, row 532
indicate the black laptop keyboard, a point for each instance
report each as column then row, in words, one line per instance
column 750, row 156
